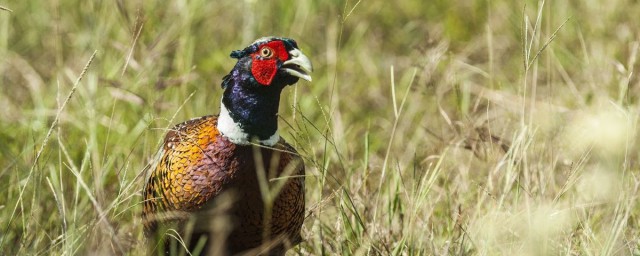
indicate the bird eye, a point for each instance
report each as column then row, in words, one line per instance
column 266, row 52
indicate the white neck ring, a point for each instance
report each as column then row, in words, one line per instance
column 234, row 132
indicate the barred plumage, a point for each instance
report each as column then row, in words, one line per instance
column 203, row 159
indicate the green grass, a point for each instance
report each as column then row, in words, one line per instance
column 431, row 127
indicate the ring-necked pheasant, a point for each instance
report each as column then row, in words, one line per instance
column 239, row 153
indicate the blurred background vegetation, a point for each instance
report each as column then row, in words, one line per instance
column 431, row 127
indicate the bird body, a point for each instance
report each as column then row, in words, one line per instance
column 239, row 153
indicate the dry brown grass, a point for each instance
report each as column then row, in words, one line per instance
column 431, row 127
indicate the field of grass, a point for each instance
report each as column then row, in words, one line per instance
column 440, row 127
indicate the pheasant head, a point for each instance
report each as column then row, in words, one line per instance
column 249, row 108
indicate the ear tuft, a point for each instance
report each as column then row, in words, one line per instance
column 237, row 54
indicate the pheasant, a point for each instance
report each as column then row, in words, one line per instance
column 237, row 154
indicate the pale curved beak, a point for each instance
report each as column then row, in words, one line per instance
column 299, row 65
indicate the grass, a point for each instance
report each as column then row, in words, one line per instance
column 441, row 127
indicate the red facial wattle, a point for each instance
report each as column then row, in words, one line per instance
column 263, row 68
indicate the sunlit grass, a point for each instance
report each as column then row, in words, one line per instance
column 431, row 127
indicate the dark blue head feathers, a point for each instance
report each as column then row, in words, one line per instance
column 239, row 54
